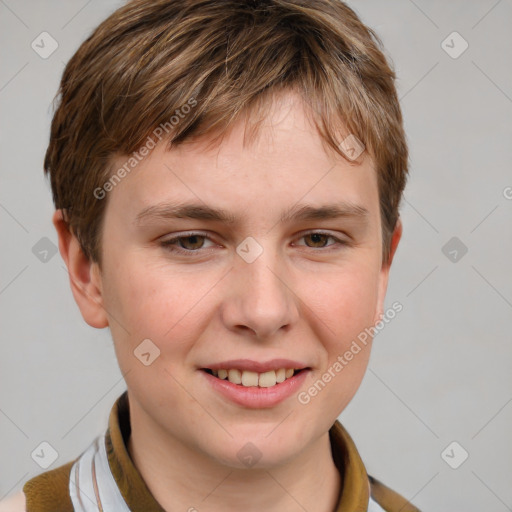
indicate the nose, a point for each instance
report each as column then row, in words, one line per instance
column 260, row 297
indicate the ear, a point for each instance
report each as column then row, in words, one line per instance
column 84, row 275
column 384, row 272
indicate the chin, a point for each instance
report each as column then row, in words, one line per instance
column 246, row 452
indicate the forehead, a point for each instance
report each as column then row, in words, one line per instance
column 286, row 162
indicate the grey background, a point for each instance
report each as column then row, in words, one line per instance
column 440, row 372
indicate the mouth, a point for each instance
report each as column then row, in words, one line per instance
column 251, row 379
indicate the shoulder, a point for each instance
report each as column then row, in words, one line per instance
column 388, row 499
column 15, row 503
column 49, row 491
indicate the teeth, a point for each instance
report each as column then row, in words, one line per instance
column 249, row 378
column 235, row 376
column 267, row 379
column 253, row 379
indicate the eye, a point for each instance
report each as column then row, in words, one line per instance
column 189, row 242
column 318, row 240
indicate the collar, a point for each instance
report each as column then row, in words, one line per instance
column 355, row 487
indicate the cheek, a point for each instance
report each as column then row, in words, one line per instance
column 151, row 302
column 345, row 299
column 345, row 307
column 345, row 303
column 135, row 291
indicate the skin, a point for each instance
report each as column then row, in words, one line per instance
column 14, row 503
column 297, row 300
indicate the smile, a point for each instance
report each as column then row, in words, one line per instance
column 248, row 378
column 255, row 390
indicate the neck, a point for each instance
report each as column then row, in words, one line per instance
column 181, row 478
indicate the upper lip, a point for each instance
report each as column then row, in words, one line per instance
column 256, row 366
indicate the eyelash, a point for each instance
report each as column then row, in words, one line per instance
column 170, row 244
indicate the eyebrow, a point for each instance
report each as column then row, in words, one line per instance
column 299, row 212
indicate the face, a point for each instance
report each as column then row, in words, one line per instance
column 268, row 254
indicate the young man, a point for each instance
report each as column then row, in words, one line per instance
column 227, row 177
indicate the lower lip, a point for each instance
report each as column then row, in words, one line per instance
column 255, row 397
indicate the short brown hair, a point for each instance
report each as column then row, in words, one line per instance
column 149, row 57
